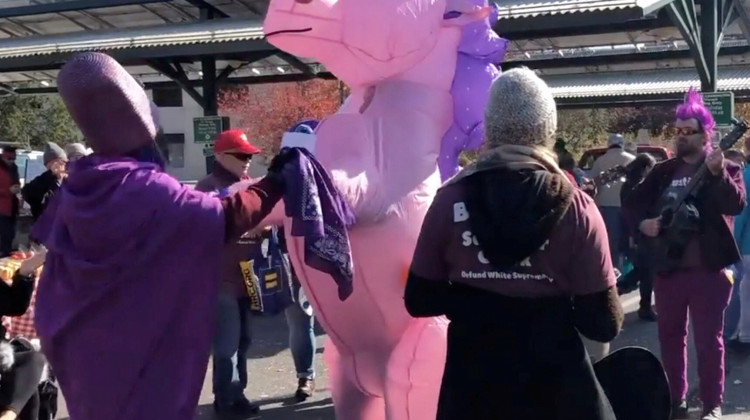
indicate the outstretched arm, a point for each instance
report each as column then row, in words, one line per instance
column 245, row 209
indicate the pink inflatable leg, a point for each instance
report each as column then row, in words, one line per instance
column 349, row 402
column 415, row 371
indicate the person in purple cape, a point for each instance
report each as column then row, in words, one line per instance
column 125, row 306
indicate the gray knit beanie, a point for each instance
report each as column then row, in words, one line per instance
column 520, row 110
column 76, row 151
column 52, row 151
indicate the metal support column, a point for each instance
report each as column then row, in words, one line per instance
column 208, row 67
column 703, row 33
column 210, row 93
column 711, row 37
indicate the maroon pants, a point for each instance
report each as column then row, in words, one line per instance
column 705, row 295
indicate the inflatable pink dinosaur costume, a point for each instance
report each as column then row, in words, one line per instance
column 420, row 72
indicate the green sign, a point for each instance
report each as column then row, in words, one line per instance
column 205, row 129
column 721, row 105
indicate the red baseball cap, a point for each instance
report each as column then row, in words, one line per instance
column 234, row 141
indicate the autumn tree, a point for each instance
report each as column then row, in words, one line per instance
column 583, row 128
column 36, row 119
column 266, row 111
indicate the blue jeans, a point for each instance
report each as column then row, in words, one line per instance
column 732, row 313
column 301, row 340
column 231, row 342
column 613, row 221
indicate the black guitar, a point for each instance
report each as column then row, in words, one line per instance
column 680, row 219
column 591, row 186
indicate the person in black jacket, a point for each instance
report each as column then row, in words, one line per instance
column 518, row 279
column 641, row 276
column 39, row 191
column 21, row 367
column 10, row 186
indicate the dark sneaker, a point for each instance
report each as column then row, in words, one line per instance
column 305, row 389
column 738, row 347
column 242, row 409
column 680, row 410
column 713, row 413
column 647, row 314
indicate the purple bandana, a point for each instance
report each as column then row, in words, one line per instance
column 321, row 216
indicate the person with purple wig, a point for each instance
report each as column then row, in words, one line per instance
column 700, row 285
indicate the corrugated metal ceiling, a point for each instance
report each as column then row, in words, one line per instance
column 123, row 17
column 515, row 9
column 225, row 30
column 663, row 81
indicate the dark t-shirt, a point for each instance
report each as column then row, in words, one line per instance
column 575, row 260
column 681, row 178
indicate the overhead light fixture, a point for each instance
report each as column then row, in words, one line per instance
column 255, row 70
column 45, row 83
column 200, row 73
column 280, row 69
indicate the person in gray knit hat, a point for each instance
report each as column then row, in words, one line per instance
column 517, row 259
column 41, row 189
column 76, row 151
column 521, row 111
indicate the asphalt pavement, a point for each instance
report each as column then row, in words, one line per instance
column 273, row 380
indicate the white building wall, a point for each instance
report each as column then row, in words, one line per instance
column 179, row 120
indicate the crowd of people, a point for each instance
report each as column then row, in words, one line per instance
column 143, row 276
column 707, row 284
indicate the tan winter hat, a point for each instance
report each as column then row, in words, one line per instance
column 520, row 110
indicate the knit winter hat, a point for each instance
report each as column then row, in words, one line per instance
column 520, row 110
column 109, row 106
column 76, row 150
column 52, row 152
column 615, row 139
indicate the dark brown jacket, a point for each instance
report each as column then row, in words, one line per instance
column 236, row 251
column 719, row 199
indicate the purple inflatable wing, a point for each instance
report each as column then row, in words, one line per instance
column 480, row 49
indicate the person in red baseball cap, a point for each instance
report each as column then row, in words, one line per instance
column 231, row 340
column 233, row 154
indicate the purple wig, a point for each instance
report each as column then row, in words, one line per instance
column 480, row 48
column 694, row 108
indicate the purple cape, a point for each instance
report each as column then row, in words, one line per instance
column 125, row 306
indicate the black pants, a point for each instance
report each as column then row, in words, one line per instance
column 19, row 388
column 642, row 275
column 645, row 275
column 7, row 235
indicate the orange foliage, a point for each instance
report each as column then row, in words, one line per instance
column 266, row 111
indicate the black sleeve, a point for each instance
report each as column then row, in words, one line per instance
column 598, row 316
column 33, row 193
column 15, row 298
column 426, row 298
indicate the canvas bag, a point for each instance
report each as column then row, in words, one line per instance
column 266, row 277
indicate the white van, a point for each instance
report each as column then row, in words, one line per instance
column 30, row 165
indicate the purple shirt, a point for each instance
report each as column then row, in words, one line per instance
column 575, row 260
